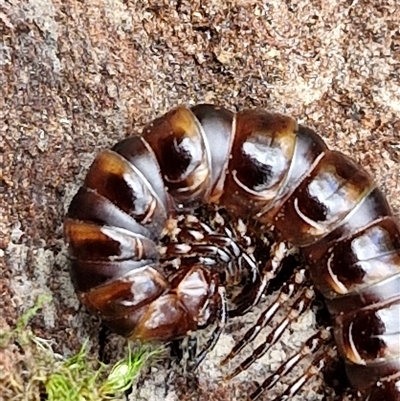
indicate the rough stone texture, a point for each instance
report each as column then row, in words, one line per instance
column 77, row 76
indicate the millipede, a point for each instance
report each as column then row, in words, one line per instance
column 264, row 170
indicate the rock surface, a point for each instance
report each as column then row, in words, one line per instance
column 77, row 76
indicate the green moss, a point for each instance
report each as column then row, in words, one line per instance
column 21, row 333
column 82, row 378
column 32, row 371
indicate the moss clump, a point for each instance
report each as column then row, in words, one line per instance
column 33, row 371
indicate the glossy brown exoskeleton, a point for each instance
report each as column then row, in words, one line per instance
column 259, row 166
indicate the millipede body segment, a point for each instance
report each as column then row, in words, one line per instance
column 260, row 167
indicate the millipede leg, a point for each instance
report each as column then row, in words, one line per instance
column 288, row 290
column 312, row 345
column 212, row 341
column 257, row 288
column 192, row 347
column 299, row 306
column 316, row 366
column 260, row 281
column 185, row 352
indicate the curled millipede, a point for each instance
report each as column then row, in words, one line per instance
column 262, row 168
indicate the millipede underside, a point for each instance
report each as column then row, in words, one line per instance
column 179, row 243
